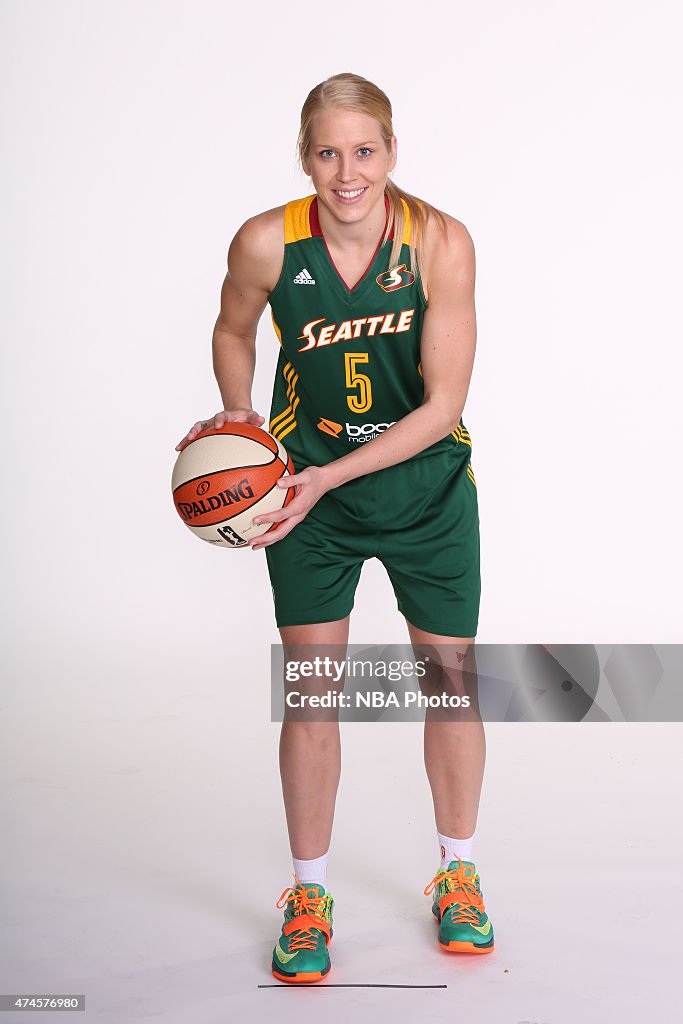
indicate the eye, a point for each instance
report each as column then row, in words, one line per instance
column 361, row 149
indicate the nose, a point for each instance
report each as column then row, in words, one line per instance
column 346, row 172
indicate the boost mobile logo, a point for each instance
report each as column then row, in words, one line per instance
column 365, row 431
column 367, row 428
column 330, row 427
column 354, row 432
column 392, row 280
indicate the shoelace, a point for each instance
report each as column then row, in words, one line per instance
column 464, row 911
column 302, row 903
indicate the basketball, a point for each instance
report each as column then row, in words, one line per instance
column 225, row 477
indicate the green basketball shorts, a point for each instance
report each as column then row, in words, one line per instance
column 420, row 518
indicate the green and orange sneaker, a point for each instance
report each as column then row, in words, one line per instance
column 300, row 954
column 458, row 908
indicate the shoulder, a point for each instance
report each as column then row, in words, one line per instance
column 257, row 248
column 448, row 251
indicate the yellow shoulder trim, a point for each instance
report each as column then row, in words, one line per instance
column 297, row 225
column 406, row 223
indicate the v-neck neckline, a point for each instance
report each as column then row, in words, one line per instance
column 316, row 231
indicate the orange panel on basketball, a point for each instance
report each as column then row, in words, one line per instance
column 220, row 496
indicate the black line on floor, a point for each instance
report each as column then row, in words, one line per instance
column 316, row 984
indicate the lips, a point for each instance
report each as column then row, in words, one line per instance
column 356, row 194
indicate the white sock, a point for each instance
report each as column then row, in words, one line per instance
column 312, row 871
column 451, row 849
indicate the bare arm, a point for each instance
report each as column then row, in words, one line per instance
column 244, row 296
column 254, row 262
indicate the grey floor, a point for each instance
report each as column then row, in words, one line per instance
column 143, row 853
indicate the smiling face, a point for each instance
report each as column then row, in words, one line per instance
column 348, row 162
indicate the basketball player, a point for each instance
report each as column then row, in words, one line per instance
column 372, row 299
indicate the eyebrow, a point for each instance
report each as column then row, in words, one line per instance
column 324, row 145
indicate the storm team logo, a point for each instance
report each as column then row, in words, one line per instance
column 397, row 277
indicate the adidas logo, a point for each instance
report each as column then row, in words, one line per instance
column 303, row 277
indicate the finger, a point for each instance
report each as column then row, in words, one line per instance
column 182, row 445
column 292, row 480
column 274, row 535
column 277, row 517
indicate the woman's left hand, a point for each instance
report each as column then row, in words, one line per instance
column 311, row 484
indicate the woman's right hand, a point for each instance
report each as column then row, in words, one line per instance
column 225, row 416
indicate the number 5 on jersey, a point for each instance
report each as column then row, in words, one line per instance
column 362, row 400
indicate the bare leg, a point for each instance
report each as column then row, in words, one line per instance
column 454, row 752
column 310, row 758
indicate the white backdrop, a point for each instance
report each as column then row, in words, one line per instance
column 138, row 136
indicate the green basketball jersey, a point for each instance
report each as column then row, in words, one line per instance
column 349, row 361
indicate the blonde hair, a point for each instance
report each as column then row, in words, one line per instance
column 352, row 92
